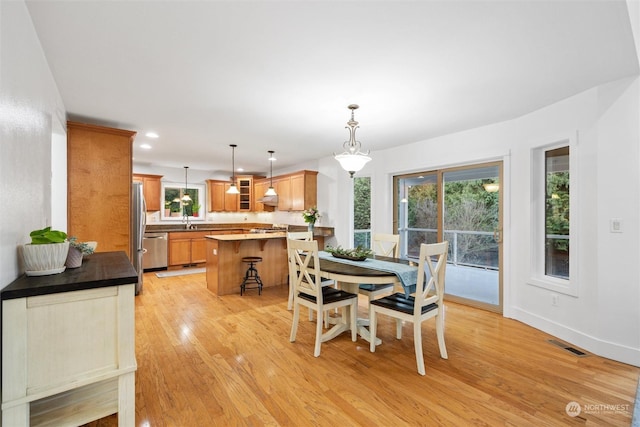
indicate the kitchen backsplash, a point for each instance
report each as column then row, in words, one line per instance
column 277, row 217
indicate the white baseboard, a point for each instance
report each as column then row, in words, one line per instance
column 595, row 345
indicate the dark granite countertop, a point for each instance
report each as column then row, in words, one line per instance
column 99, row 270
column 240, row 228
column 160, row 228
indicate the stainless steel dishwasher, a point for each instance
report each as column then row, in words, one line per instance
column 155, row 251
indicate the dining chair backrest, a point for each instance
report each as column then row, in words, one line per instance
column 304, row 278
column 300, row 235
column 295, row 235
column 433, row 271
column 386, row 244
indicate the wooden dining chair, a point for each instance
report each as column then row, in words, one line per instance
column 427, row 302
column 309, row 292
column 386, row 245
column 296, row 235
column 306, row 236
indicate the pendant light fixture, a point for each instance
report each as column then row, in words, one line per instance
column 491, row 186
column 352, row 159
column 271, row 191
column 185, row 197
column 233, row 189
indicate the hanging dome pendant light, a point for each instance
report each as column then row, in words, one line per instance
column 185, row 197
column 271, row 191
column 352, row 159
column 233, row 189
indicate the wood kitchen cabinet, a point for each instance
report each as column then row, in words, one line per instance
column 245, row 198
column 151, row 186
column 283, row 188
column 297, row 191
column 187, row 247
column 259, row 188
column 219, row 200
column 99, row 180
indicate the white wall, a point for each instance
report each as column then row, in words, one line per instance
column 30, row 105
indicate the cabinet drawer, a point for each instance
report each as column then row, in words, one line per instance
column 179, row 235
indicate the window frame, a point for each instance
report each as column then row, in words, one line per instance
column 537, row 275
column 201, row 198
column 353, row 219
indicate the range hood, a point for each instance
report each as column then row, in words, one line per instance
column 269, row 200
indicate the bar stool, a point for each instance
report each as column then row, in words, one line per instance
column 251, row 276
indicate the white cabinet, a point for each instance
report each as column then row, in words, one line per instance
column 68, row 358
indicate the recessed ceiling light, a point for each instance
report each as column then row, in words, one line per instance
column 240, row 170
column 145, row 146
column 151, row 135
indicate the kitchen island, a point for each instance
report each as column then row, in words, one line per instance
column 225, row 269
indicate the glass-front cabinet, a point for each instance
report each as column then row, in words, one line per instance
column 245, row 186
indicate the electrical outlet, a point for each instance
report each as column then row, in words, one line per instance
column 555, row 298
column 615, row 225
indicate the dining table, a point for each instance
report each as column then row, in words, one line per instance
column 376, row 270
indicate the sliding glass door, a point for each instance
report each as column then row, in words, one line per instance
column 461, row 205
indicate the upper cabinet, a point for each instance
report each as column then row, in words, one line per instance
column 151, row 185
column 219, row 200
column 297, row 191
column 245, row 186
column 259, row 188
column 99, row 185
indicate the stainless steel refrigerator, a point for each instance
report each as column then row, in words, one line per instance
column 138, row 224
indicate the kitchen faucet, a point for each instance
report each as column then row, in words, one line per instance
column 187, row 222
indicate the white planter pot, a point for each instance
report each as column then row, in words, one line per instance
column 41, row 260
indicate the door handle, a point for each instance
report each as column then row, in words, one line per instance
column 497, row 235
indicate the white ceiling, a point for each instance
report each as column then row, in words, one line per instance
column 278, row 75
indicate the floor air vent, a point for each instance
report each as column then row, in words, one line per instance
column 568, row 348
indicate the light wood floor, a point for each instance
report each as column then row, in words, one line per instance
column 227, row 361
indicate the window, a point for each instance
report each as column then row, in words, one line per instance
column 362, row 211
column 175, row 208
column 556, row 215
column 416, row 201
column 554, row 220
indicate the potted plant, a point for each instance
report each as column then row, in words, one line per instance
column 77, row 250
column 195, row 209
column 167, row 208
column 47, row 252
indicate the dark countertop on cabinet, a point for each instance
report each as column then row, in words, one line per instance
column 240, row 228
column 98, row 270
column 162, row 228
